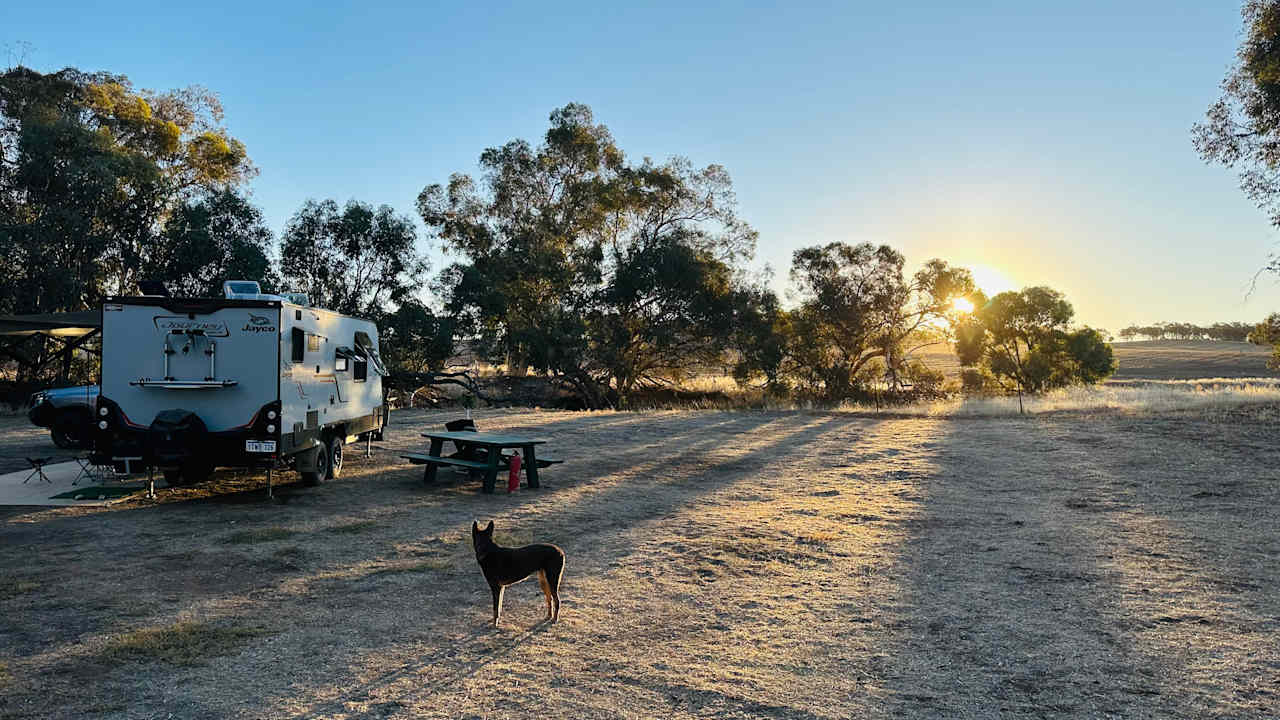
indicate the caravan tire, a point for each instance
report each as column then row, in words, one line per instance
column 321, row 472
column 173, row 477
column 335, row 457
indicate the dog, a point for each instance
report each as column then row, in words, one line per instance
column 503, row 566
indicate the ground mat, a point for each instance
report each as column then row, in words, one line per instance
column 96, row 492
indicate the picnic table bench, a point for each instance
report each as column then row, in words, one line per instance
column 492, row 443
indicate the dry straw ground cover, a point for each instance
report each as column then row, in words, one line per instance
column 720, row 564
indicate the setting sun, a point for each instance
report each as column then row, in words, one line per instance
column 964, row 305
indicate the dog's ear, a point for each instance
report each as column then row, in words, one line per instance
column 475, row 527
column 489, row 529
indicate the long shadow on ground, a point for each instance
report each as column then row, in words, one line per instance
column 105, row 587
column 1054, row 573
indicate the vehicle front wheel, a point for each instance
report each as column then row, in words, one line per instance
column 63, row 438
column 69, row 430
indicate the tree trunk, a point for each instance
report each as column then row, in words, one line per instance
column 517, row 364
column 624, row 390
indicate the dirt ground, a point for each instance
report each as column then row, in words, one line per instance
column 720, row 564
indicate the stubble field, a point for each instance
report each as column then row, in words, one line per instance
column 1157, row 360
column 720, row 564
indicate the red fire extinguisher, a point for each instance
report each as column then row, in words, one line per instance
column 513, row 477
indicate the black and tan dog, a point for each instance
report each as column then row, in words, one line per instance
column 503, row 566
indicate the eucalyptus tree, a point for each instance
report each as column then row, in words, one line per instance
column 1025, row 342
column 89, row 171
column 1241, row 130
column 356, row 260
column 529, row 239
column 604, row 274
column 861, row 317
column 1267, row 333
column 209, row 240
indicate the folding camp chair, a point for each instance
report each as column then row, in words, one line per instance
column 467, row 451
column 90, row 471
column 37, row 469
column 464, row 450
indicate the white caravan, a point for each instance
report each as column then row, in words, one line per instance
column 249, row 380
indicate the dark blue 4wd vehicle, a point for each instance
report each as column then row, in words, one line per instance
column 67, row 412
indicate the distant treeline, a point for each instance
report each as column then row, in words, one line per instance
column 1233, row 331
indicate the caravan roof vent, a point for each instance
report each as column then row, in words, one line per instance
column 241, row 290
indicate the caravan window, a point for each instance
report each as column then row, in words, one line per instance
column 343, row 357
column 297, row 338
column 361, row 372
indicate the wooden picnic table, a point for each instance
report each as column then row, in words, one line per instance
column 492, row 443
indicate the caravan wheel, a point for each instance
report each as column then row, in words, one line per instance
column 321, row 471
column 335, row 457
column 195, row 472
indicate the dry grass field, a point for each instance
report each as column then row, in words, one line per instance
column 1184, row 360
column 720, row 564
column 1158, row 360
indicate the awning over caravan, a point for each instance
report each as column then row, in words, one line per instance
column 72, row 329
column 365, row 347
column 64, row 325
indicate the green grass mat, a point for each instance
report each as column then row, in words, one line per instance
column 94, row 492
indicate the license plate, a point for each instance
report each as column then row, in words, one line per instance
column 260, row 446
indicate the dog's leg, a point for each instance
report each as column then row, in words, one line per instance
column 497, row 603
column 553, row 575
column 546, row 591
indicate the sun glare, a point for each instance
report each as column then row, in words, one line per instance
column 991, row 281
column 964, row 305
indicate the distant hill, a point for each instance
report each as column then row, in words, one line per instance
column 1160, row 360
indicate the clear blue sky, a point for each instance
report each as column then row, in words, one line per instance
column 1049, row 146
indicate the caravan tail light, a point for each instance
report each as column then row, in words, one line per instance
column 266, row 420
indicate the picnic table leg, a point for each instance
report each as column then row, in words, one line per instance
column 531, row 466
column 429, row 475
column 491, row 472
